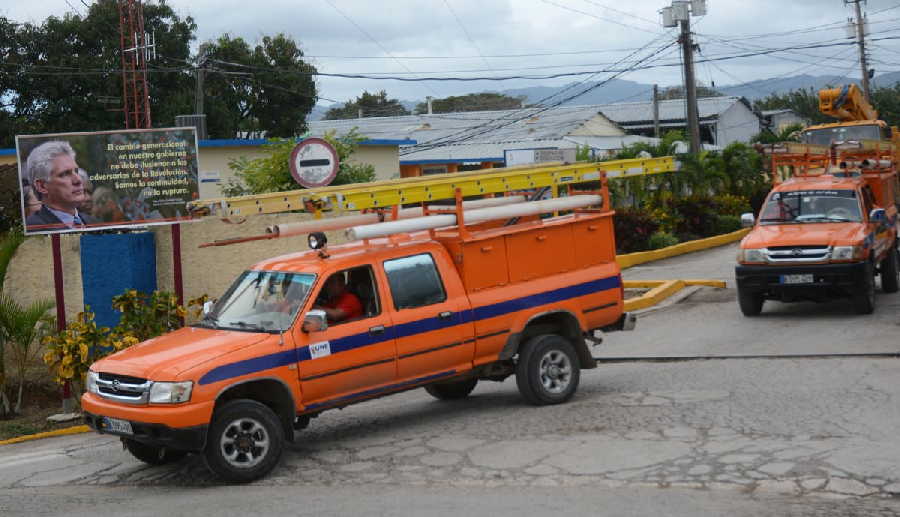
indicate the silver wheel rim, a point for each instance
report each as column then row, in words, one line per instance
column 555, row 371
column 244, row 443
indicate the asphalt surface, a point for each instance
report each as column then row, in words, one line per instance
column 731, row 437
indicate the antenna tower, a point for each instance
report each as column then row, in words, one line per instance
column 135, row 54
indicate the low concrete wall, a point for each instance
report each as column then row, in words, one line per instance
column 204, row 270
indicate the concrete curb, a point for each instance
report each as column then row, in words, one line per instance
column 78, row 429
column 632, row 259
column 659, row 291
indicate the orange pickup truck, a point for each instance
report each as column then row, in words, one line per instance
column 823, row 236
column 439, row 309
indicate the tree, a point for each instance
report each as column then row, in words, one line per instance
column 472, row 102
column 789, row 133
column 64, row 75
column 272, row 173
column 265, row 89
column 804, row 103
column 887, row 102
column 371, row 104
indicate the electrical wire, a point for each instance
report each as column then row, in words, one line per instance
column 466, row 32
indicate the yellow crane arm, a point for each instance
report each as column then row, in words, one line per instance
column 846, row 104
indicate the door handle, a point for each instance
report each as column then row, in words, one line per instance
column 445, row 315
column 377, row 330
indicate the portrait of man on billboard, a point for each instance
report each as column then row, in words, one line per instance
column 74, row 182
column 59, row 185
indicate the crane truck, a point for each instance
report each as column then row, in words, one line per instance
column 829, row 226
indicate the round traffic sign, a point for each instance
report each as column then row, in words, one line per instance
column 314, row 163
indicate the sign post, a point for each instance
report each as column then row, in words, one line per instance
column 314, row 163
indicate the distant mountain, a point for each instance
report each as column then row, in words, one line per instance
column 619, row 90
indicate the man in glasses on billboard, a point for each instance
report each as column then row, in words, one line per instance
column 54, row 176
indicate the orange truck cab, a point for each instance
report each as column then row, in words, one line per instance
column 823, row 236
column 299, row 334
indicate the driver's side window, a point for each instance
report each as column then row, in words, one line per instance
column 353, row 291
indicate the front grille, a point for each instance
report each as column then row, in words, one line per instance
column 798, row 253
column 123, row 388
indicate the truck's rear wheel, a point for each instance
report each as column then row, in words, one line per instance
column 152, row 454
column 864, row 298
column 751, row 303
column 547, row 371
column 452, row 390
column 890, row 271
column 245, row 441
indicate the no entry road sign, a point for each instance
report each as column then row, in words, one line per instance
column 314, row 163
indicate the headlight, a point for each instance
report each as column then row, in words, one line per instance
column 170, row 392
column 752, row 255
column 91, row 383
column 847, row 253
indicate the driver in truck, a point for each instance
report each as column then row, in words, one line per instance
column 340, row 304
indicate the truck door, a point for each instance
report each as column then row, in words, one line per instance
column 431, row 317
column 355, row 354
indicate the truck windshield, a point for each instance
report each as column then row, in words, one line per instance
column 260, row 301
column 829, row 135
column 811, row 206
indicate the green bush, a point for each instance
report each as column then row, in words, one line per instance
column 633, row 228
column 727, row 224
column 662, row 240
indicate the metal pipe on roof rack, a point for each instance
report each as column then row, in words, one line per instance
column 340, row 223
column 473, row 216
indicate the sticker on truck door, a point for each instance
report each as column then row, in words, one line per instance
column 320, row 349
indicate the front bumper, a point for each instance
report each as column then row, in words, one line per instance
column 183, row 439
column 828, row 279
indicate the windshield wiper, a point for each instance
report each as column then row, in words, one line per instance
column 775, row 220
column 245, row 325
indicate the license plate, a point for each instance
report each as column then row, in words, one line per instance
column 796, row 279
column 114, row 425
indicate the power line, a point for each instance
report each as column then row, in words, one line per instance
column 466, row 32
column 383, row 49
column 627, row 26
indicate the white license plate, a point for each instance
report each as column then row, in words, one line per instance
column 114, row 425
column 796, row 279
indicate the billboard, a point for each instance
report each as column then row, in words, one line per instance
column 107, row 179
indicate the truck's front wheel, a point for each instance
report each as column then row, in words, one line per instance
column 751, row 302
column 245, row 441
column 864, row 298
column 547, row 371
column 890, row 271
column 152, row 454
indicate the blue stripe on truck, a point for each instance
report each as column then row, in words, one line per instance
column 351, row 342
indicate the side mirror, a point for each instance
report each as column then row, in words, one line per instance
column 878, row 215
column 747, row 220
column 208, row 307
column 315, row 321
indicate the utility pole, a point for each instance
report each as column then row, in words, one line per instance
column 198, row 93
column 679, row 13
column 861, row 41
column 656, row 111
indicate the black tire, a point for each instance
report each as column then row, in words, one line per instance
column 890, row 271
column 751, row 303
column 245, row 441
column 864, row 298
column 452, row 390
column 152, row 454
column 547, row 371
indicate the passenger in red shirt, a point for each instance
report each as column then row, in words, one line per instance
column 341, row 304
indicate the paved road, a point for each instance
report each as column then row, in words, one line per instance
column 748, row 437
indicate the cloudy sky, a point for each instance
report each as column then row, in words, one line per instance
column 500, row 38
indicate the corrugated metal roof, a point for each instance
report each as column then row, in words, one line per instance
column 637, row 112
column 494, row 151
column 518, row 125
column 535, row 124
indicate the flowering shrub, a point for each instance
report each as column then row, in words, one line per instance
column 71, row 352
